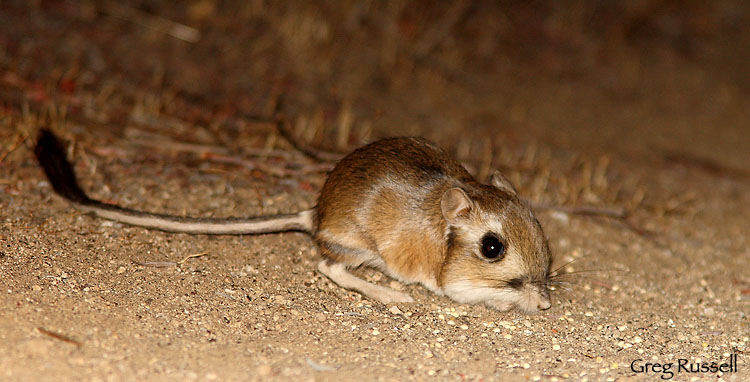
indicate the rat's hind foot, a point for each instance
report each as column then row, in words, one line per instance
column 337, row 273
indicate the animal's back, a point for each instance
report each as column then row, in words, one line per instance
column 383, row 201
column 410, row 168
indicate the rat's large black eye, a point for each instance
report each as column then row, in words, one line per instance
column 492, row 248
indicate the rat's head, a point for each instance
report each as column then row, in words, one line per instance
column 497, row 252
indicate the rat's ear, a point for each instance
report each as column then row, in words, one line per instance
column 455, row 203
column 501, row 182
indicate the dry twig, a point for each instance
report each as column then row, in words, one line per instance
column 188, row 257
column 319, row 367
column 164, row 144
column 280, row 171
column 282, row 125
column 156, row 264
column 706, row 165
column 157, row 23
column 167, row 264
column 21, row 138
column 59, row 336
column 614, row 213
column 441, row 29
column 617, row 214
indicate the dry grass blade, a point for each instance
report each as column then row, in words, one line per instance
column 155, row 141
column 346, row 120
column 192, row 257
column 617, row 214
column 223, row 155
column 156, row 264
column 168, row 264
column 442, row 28
column 282, row 125
column 706, row 165
column 180, row 146
column 614, row 212
column 21, row 138
column 157, row 23
column 59, row 336
column 280, row 171
column 319, row 367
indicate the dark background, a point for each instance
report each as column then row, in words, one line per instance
column 628, row 120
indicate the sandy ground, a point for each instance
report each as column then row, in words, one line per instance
column 651, row 125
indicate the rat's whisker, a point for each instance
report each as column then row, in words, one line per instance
column 565, row 288
column 563, row 266
column 585, row 271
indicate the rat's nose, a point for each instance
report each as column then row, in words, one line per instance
column 544, row 305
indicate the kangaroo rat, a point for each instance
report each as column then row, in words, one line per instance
column 400, row 205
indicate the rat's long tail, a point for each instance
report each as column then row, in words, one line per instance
column 51, row 155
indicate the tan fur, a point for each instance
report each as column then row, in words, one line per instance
column 398, row 199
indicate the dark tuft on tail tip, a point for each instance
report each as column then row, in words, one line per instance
column 51, row 156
